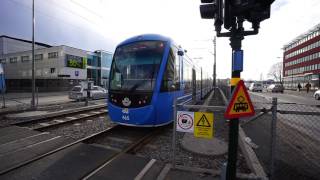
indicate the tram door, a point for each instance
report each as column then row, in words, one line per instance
column 194, row 85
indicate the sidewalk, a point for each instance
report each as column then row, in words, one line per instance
column 301, row 93
column 21, row 101
column 29, row 94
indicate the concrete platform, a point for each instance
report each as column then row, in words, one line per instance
column 211, row 147
column 126, row 167
column 72, row 163
column 18, row 145
column 26, row 115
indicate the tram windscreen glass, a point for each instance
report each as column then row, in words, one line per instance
column 135, row 66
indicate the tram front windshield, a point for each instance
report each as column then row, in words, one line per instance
column 135, row 66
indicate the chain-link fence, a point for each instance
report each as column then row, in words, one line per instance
column 206, row 155
column 297, row 142
column 285, row 138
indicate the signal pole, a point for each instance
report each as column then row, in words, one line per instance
column 33, row 66
column 237, row 61
column 215, row 61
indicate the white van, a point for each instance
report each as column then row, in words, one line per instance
column 255, row 87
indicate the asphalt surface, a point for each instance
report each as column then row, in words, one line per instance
column 297, row 144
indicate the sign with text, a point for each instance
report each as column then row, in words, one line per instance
column 203, row 125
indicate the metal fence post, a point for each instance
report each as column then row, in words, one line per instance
column 37, row 96
column 174, row 132
column 273, row 135
column 3, row 99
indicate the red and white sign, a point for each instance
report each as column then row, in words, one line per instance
column 240, row 104
column 185, row 121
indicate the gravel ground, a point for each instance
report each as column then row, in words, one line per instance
column 161, row 147
column 84, row 128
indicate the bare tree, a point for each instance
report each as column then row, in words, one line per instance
column 275, row 72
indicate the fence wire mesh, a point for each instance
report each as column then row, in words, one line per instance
column 297, row 143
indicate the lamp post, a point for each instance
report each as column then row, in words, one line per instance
column 33, row 65
column 214, row 74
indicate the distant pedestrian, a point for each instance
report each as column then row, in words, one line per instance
column 299, row 87
column 308, row 86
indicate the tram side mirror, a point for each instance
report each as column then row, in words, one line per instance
column 180, row 53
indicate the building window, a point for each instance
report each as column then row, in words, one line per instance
column 52, row 55
column 13, row 60
column 24, row 58
column 38, row 57
column 3, row 61
column 52, row 70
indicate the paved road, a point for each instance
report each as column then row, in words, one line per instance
column 298, row 143
column 290, row 97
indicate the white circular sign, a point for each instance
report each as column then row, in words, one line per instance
column 185, row 121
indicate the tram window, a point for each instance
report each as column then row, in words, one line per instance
column 171, row 77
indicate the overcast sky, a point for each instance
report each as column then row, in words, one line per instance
column 101, row 24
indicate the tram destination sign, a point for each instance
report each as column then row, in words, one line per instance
column 76, row 61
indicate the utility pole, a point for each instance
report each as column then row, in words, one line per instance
column 232, row 14
column 33, row 65
column 214, row 63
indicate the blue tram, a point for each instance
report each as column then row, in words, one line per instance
column 147, row 72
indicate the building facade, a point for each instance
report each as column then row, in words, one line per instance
column 13, row 45
column 57, row 68
column 301, row 60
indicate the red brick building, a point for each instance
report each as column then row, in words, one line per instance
column 301, row 60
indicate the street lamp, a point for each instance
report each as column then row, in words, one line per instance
column 33, row 65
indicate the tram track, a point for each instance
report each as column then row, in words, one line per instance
column 62, row 117
column 67, row 120
column 135, row 142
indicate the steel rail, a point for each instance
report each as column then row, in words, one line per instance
column 58, row 114
column 68, row 121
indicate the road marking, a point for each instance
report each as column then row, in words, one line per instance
column 44, row 124
column 95, row 112
column 59, row 121
column 71, row 118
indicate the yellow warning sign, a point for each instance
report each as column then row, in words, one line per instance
column 203, row 125
column 240, row 104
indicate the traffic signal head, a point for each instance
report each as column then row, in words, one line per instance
column 209, row 9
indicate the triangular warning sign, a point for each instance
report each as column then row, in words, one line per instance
column 203, row 121
column 240, row 104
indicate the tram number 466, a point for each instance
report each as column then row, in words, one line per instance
column 125, row 117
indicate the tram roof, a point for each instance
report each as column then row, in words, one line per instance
column 145, row 37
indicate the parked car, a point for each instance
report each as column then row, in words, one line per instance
column 79, row 93
column 316, row 95
column 255, row 87
column 275, row 88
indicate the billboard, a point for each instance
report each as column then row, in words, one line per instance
column 76, row 61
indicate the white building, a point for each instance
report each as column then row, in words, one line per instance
column 56, row 68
